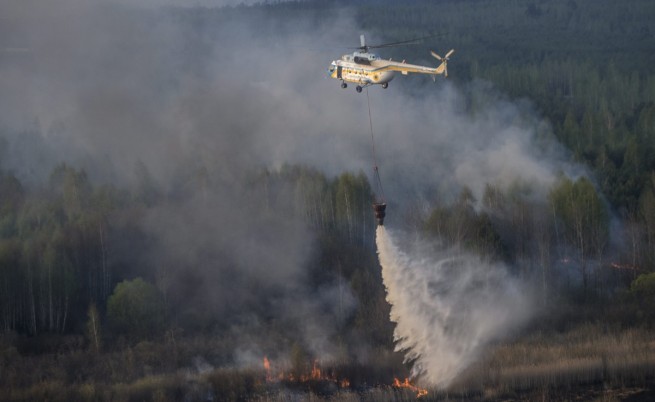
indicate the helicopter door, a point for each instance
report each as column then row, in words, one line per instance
column 339, row 68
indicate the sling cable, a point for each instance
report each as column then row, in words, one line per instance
column 379, row 204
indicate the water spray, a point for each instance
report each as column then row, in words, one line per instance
column 447, row 306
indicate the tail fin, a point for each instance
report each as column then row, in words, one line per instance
column 443, row 67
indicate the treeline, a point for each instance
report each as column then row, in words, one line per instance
column 126, row 331
column 560, row 243
column 74, row 256
column 63, row 257
column 53, row 251
column 65, row 247
column 605, row 117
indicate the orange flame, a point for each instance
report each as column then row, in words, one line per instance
column 315, row 374
column 316, row 371
column 267, row 369
column 406, row 384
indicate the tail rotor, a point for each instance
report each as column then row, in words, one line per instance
column 444, row 61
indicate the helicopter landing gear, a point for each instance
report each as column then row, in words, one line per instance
column 385, row 85
column 358, row 88
column 344, row 85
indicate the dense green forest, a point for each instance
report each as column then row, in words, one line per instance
column 91, row 295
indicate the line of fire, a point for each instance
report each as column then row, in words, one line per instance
column 326, row 380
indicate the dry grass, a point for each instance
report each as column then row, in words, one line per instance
column 590, row 362
column 590, row 354
column 371, row 395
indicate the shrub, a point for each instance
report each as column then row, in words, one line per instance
column 136, row 309
column 643, row 290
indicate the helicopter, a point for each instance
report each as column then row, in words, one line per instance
column 364, row 68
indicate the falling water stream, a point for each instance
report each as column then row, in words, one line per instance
column 447, row 307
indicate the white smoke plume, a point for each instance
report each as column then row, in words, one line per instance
column 446, row 308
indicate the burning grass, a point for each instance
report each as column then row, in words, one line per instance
column 590, row 362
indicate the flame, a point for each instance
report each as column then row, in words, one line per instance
column 406, row 384
column 316, row 371
column 316, row 374
column 267, row 369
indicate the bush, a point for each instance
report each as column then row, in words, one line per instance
column 136, row 309
column 643, row 290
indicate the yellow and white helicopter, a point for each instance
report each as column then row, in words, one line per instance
column 364, row 68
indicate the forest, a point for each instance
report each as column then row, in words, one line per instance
column 190, row 278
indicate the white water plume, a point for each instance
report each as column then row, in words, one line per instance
column 446, row 308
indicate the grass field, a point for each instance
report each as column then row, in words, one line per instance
column 589, row 362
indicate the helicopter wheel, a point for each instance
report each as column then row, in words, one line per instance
column 358, row 88
column 344, row 85
column 385, row 85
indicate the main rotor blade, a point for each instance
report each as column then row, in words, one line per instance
column 404, row 42
column 449, row 53
column 362, row 40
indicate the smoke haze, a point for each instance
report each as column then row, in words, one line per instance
column 107, row 87
column 198, row 102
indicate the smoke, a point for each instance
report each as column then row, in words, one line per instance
column 146, row 99
column 446, row 307
column 193, row 101
column 107, row 88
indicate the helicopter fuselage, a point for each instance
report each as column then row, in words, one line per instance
column 363, row 68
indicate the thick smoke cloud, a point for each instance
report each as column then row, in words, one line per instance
column 128, row 93
column 148, row 99
column 113, row 86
